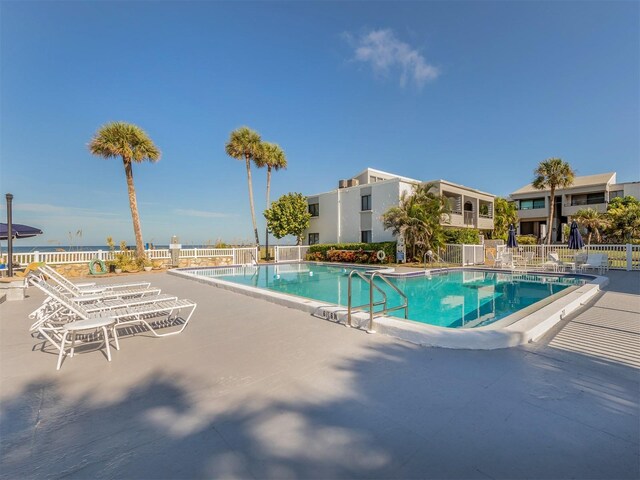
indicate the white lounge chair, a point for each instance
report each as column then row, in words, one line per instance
column 87, row 288
column 124, row 316
column 596, row 261
column 554, row 263
column 103, row 324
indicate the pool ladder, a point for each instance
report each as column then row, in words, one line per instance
column 372, row 286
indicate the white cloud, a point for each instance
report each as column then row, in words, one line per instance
column 386, row 53
column 200, row 213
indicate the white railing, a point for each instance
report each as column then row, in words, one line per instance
column 295, row 253
column 245, row 256
column 621, row 257
column 240, row 256
column 459, row 254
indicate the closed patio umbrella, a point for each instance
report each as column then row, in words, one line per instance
column 575, row 239
column 512, row 242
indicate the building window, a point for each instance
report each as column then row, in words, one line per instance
column 314, row 238
column 314, row 209
column 532, row 204
column 365, row 236
column 615, row 194
column 365, row 202
column 587, row 199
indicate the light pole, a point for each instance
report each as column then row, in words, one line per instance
column 9, row 236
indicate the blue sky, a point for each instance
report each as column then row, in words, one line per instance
column 476, row 93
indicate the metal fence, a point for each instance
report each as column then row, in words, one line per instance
column 621, row 257
column 240, row 256
column 291, row 254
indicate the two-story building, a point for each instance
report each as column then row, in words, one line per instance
column 589, row 191
column 353, row 212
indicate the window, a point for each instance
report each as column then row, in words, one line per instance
column 314, row 209
column 587, row 199
column 365, row 236
column 366, row 202
column 532, row 204
column 314, row 238
column 615, row 194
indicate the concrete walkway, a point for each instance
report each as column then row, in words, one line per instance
column 255, row 390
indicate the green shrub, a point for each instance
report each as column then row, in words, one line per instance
column 352, row 252
column 468, row 236
column 526, row 240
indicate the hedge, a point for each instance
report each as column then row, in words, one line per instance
column 468, row 236
column 318, row 252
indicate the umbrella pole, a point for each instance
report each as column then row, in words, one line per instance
column 9, row 236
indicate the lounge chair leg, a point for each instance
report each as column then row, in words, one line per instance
column 61, row 354
column 106, row 342
column 73, row 343
column 115, row 336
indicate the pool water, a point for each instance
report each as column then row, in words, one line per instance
column 454, row 299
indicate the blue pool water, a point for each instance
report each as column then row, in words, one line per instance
column 453, row 299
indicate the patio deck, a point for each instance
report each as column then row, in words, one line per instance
column 255, row 390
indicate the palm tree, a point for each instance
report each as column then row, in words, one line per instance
column 552, row 173
column 131, row 143
column 273, row 157
column 245, row 144
column 594, row 222
column 417, row 217
column 505, row 213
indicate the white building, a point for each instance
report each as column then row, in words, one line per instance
column 353, row 211
column 589, row 191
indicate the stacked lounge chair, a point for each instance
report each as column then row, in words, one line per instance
column 69, row 309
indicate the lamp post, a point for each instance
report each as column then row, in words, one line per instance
column 9, row 236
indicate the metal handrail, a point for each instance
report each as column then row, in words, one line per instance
column 404, row 306
column 433, row 255
column 371, row 303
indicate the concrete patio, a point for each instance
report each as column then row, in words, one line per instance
column 256, row 390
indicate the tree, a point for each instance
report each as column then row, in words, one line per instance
column 288, row 216
column 245, row 144
column 593, row 221
column 552, row 173
column 273, row 157
column 417, row 217
column 623, row 214
column 131, row 143
column 505, row 213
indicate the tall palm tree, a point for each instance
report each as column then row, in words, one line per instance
column 131, row 143
column 593, row 220
column 552, row 173
column 273, row 157
column 245, row 144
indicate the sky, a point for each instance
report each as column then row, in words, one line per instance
column 477, row 93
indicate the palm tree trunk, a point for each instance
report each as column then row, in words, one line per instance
column 552, row 206
column 133, row 204
column 589, row 238
column 266, row 229
column 253, row 210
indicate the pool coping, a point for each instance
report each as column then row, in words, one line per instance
column 501, row 334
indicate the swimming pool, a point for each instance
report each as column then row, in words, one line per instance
column 458, row 299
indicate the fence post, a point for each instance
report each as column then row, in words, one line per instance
column 100, row 255
column 463, row 263
column 299, row 253
column 629, row 257
column 36, row 256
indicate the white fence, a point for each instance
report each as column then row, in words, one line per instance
column 291, row 254
column 240, row 256
column 621, row 257
column 458, row 254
